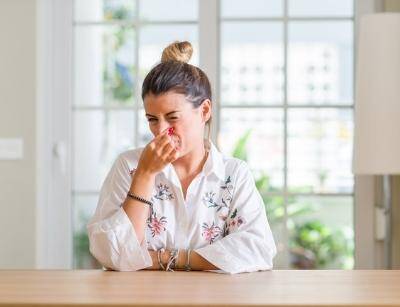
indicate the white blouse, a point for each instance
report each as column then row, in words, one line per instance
column 222, row 218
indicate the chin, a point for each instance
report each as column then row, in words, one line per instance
column 182, row 151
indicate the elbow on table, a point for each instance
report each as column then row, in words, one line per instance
column 114, row 260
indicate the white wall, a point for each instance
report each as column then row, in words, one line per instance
column 17, row 120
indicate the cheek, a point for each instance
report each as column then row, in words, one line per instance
column 187, row 134
column 184, row 128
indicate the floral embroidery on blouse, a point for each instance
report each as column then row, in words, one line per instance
column 223, row 214
column 228, row 187
column 132, row 170
column 235, row 221
column 209, row 200
column 223, row 206
column 210, row 232
column 163, row 192
column 227, row 195
column 157, row 225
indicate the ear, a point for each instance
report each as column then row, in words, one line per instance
column 206, row 109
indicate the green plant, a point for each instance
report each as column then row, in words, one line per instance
column 83, row 259
column 274, row 205
column 240, row 150
column 120, row 12
column 118, row 83
column 313, row 244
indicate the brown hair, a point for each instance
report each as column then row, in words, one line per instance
column 175, row 74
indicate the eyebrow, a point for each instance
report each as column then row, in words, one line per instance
column 169, row 113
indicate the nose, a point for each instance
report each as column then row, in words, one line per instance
column 162, row 127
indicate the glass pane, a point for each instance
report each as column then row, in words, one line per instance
column 104, row 65
column 258, row 139
column 274, row 206
column 321, row 8
column 84, row 207
column 252, row 63
column 104, row 10
column 99, row 137
column 153, row 40
column 320, row 69
column 161, row 10
column 320, row 150
column 251, row 8
column 321, row 233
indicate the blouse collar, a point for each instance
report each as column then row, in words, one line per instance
column 214, row 163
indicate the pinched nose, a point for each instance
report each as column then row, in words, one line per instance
column 160, row 130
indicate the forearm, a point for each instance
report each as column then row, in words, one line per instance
column 197, row 262
column 137, row 211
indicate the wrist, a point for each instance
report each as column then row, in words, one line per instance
column 142, row 183
column 165, row 257
column 142, row 172
column 182, row 259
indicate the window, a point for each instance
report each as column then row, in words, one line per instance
column 115, row 45
column 285, row 73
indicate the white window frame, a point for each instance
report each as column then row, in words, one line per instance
column 54, row 94
column 367, row 248
column 285, row 19
column 54, row 100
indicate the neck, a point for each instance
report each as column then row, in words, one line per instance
column 191, row 163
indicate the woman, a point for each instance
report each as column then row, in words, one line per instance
column 179, row 203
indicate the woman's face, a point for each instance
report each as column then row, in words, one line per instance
column 173, row 110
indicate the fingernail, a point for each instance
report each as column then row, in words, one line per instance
column 170, row 130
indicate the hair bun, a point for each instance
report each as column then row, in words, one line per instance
column 177, row 51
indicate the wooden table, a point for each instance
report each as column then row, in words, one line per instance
column 153, row 288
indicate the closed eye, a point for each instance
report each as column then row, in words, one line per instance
column 152, row 119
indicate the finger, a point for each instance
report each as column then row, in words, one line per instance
column 155, row 142
column 161, row 135
column 151, row 145
column 174, row 154
column 160, row 148
column 159, row 138
column 168, row 149
column 168, row 131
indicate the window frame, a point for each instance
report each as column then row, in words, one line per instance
column 285, row 106
column 54, row 100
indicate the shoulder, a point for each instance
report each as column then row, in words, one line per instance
column 237, row 168
column 227, row 165
column 129, row 158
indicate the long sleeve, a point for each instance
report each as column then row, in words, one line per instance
column 248, row 244
column 113, row 241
